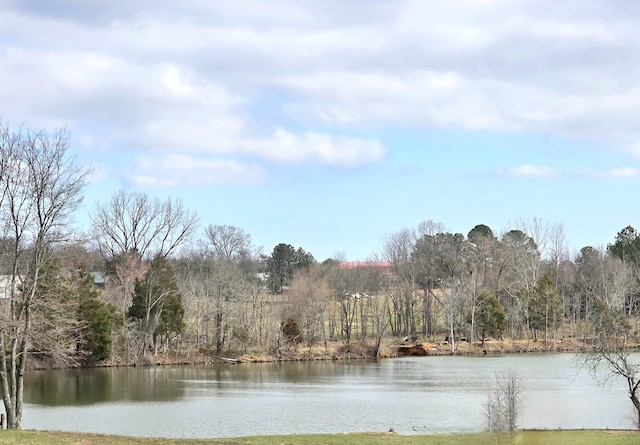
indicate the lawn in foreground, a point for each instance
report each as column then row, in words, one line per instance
column 559, row 437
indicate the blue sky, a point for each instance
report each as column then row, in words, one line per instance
column 328, row 125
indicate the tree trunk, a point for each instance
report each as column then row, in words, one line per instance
column 451, row 336
column 636, row 404
column 219, row 334
column 633, row 395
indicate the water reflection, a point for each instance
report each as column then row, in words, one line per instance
column 89, row 386
column 411, row 395
column 164, row 384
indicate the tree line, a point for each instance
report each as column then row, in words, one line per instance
column 146, row 282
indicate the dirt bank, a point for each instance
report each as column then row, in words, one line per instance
column 338, row 351
column 391, row 348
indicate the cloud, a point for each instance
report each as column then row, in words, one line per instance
column 624, row 172
column 530, row 171
column 324, row 149
column 179, row 170
column 187, row 77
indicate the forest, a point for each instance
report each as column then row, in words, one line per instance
column 151, row 283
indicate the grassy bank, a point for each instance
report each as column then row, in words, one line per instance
column 392, row 347
column 559, row 437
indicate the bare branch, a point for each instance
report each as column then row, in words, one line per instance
column 133, row 222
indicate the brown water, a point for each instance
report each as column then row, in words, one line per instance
column 411, row 395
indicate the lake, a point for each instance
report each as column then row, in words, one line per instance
column 413, row 395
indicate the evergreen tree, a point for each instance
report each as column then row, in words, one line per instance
column 491, row 317
column 545, row 307
column 627, row 248
column 282, row 264
column 97, row 321
column 157, row 304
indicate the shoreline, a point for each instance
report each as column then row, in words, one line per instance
column 356, row 351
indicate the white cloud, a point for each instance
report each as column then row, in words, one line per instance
column 320, row 148
column 530, row 171
column 179, row 170
column 624, row 172
column 195, row 78
column 220, row 136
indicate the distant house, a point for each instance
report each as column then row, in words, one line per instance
column 99, row 279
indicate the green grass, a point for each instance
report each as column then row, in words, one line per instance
column 559, row 437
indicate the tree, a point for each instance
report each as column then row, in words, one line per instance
column 53, row 332
column 97, row 321
column 503, row 403
column 601, row 276
column 223, row 281
column 397, row 249
column 627, row 245
column 59, row 337
column 519, row 264
column 40, row 187
column 157, row 306
column 211, row 287
column 627, row 248
column 423, row 256
column 229, row 243
column 612, row 352
column 132, row 222
column 545, row 308
column 282, row 264
column 280, row 267
column 454, row 279
column 132, row 229
column 482, row 256
column 308, row 300
column 491, row 317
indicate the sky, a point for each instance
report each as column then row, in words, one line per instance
column 331, row 124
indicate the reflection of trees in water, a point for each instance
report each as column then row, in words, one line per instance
column 68, row 387
column 88, row 386
column 164, row 384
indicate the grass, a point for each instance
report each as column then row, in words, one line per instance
column 559, row 437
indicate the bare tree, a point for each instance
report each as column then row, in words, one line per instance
column 519, row 264
column 132, row 227
column 346, row 284
column 601, row 276
column 132, row 222
column 40, row 187
column 398, row 248
column 503, row 403
column 456, row 285
column 610, row 357
column 228, row 243
column 431, row 228
column 309, row 297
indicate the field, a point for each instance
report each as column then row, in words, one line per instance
column 578, row 437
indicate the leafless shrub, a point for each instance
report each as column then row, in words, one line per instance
column 503, row 403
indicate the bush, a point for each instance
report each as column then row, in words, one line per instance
column 503, row 403
column 291, row 331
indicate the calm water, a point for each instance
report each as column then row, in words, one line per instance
column 411, row 395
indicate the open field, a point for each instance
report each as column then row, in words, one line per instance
column 577, row 437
